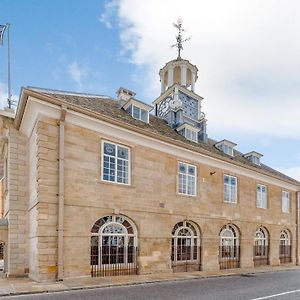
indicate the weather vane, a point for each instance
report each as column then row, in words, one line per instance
column 179, row 39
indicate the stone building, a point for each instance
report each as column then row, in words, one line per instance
column 96, row 186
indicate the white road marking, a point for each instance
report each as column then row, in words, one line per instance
column 277, row 295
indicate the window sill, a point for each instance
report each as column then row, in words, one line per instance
column 100, row 181
column 227, row 202
column 185, row 195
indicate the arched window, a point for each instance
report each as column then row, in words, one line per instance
column 185, row 245
column 229, row 252
column 261, row 252
column 285, row 249
column 113, row 246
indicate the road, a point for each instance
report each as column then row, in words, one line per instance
column 277, row 285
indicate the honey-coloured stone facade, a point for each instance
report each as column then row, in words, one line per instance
column 150, row 201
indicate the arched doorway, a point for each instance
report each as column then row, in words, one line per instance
column 261, row 247
column 185, row 252
column 229, row 250
column 113, row 246
column 285, row 247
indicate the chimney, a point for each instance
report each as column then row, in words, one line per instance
column 123, row 95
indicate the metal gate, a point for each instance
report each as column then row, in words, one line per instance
column 113, row 260
column 229, row 257
column 260, row 255
column 183, row 262
column 285, row 254
column 1, row 251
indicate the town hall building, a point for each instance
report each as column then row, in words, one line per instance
column 98, row 186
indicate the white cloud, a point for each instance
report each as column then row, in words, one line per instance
column 3, row 96
column 110, row 10
column 293, row 172
column 247, row 53
column 77, row 73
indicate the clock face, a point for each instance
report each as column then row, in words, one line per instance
column 163, row 107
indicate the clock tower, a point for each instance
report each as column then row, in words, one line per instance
column 178, row 103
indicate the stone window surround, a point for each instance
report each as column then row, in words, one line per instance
column 102, row 163
column 196, row 178
column 283, row 206
column 236, row 189
column 261, row 196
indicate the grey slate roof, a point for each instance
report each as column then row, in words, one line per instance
column 109, row 107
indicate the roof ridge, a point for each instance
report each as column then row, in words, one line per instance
column 62, row 92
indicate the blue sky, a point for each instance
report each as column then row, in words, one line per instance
column 247, row 53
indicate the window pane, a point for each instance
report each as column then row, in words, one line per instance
column 191, row 170
column 136, row 112
column 122, row 152
column 226, row 179
column 109, row 149
column 144, row 115
column 233, row 180
column 182, row 168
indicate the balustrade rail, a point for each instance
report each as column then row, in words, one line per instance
column 285, row 254
column 187, row 259
column 229, row 257
column 113, row 261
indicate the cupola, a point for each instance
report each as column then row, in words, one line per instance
column 179, row 71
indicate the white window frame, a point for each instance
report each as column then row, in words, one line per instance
column 285, row 206
column 116, row 164
column 234, row 201
column 261, row 197
column 140, row 113
column 227, row 150
column 188, row 178
column 191, row 135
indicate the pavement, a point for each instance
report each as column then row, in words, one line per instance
column 22, row 286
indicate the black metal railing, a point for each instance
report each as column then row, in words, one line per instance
column 1, row 251
column 285, row 254
column 113, row 261
column 260, row 255
column 229, row 257
column 188, row 258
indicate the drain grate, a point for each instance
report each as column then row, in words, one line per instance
column 248, row 275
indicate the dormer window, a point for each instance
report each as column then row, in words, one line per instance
column 189, row 132
column 140, row 114
column 226, row 147
column 138, row 109
column 254, row 157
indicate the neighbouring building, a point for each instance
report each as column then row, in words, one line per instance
column 96, row 186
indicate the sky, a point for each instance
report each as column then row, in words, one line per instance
column 247, row 53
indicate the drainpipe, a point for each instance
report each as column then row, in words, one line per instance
column 297, row 228
column 61, row 194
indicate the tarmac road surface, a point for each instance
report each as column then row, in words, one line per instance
column 284, row 285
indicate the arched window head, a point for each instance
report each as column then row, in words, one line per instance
column 261, row 237
column 285, row 238
column 114, row 224
column 229, row 236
